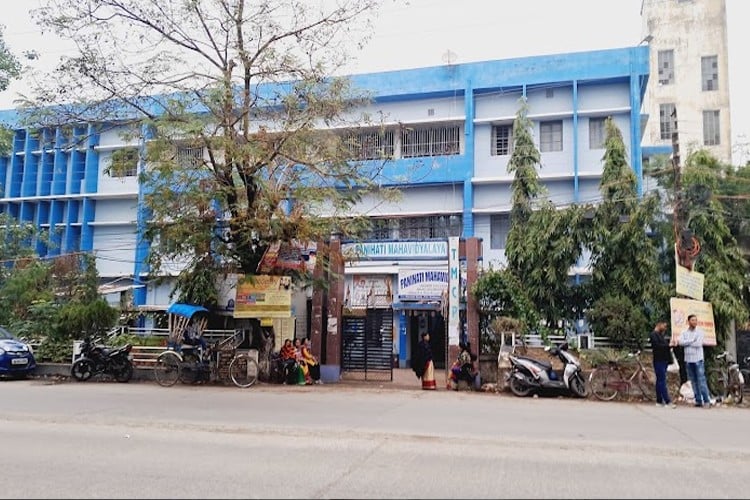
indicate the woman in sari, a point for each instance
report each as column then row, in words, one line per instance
column 313, row 366
column 305, row 379
column 289, row 358
column 425, row 359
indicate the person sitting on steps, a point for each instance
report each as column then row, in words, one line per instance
column 463, row 368
column 312, row 364
column 289, row 358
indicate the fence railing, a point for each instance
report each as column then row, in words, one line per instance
column 583, row 341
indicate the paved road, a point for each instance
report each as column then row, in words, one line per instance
column 138, row 440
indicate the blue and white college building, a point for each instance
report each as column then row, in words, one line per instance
column 448, row 130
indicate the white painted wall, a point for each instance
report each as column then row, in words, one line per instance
column 114, row 247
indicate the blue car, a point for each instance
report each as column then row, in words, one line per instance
column 16, row 357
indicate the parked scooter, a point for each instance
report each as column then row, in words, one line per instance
column 96, row 359
column 528, row 375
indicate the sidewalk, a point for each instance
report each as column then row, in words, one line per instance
column 403, row 378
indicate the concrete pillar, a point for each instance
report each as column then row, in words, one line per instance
column 335, row 303
column 318, row 298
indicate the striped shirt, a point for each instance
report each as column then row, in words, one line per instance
column 692, row 340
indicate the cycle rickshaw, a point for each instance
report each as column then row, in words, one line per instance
column 191, row 362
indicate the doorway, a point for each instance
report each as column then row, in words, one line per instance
column 429, row 321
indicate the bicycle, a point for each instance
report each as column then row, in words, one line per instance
column 607, row 381
column 190, row 364
column 726, row 381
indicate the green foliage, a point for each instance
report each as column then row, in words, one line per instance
column 620, row 319
column 254, row 167
column 499, row 293
column 525, row 187
column 86, row 319
column 123, row 162
column 54, row 350
column 10, row 67
column 624, row 258
column 198, row 284
column 725, row 269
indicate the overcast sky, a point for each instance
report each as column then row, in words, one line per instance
column 416, row 33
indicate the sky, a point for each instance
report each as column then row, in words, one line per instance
column 418, row 33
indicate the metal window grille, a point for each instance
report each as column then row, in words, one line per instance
column 710, row 73
column 381, row 229
column 430, row 141
column 666, row 121
column 189, row 157
column 499, row 228
column 551, row 136
column 711, row 128
column 370, row 145
column 665, row 63
column 432, row 226
column 502, row 140
column 596, row 133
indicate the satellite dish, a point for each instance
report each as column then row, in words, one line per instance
column 449, row 56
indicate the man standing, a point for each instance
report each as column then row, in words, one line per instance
column 692, row 340
column 660, row 350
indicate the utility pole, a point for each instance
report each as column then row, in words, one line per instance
column 688, row 246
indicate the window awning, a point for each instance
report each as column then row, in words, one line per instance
column 107, row 289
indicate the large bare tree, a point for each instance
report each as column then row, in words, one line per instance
column 249, row 136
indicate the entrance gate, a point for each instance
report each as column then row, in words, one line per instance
column 367, row 346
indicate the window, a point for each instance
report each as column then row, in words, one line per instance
column 551, row 136
column 499, row 228
column 433, row 226
column 502, row 140
column 430, row 141
column 370, row 145
column 711, row 128
column 124, row 163
column 666, row 120
column 380, row 230
column 596, row 133
column 710, row 73
column 665, row 61
column 189, row 157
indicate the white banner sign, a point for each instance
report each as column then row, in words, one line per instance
column 689, row 283
column 369, row 292
column 454, row 292
column 422, row 284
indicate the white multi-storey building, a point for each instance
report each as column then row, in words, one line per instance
column 690, row 75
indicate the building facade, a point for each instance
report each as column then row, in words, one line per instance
column 690, row 68
column 448, row 131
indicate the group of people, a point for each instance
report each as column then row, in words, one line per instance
column 463, row 367
column 691, row 342
column 300, row 366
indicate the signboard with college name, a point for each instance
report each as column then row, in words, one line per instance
column 263, row 296
column 389, row 250
column 680, row 309
column 421, row 284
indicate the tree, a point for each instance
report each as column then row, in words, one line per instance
column 624, row 259
column 10, row 68
column 247, row 142
column 543, row 241
column 525, row 188
column 720, row 258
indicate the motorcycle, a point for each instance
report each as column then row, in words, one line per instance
column 96, row 359
column 528, row 375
